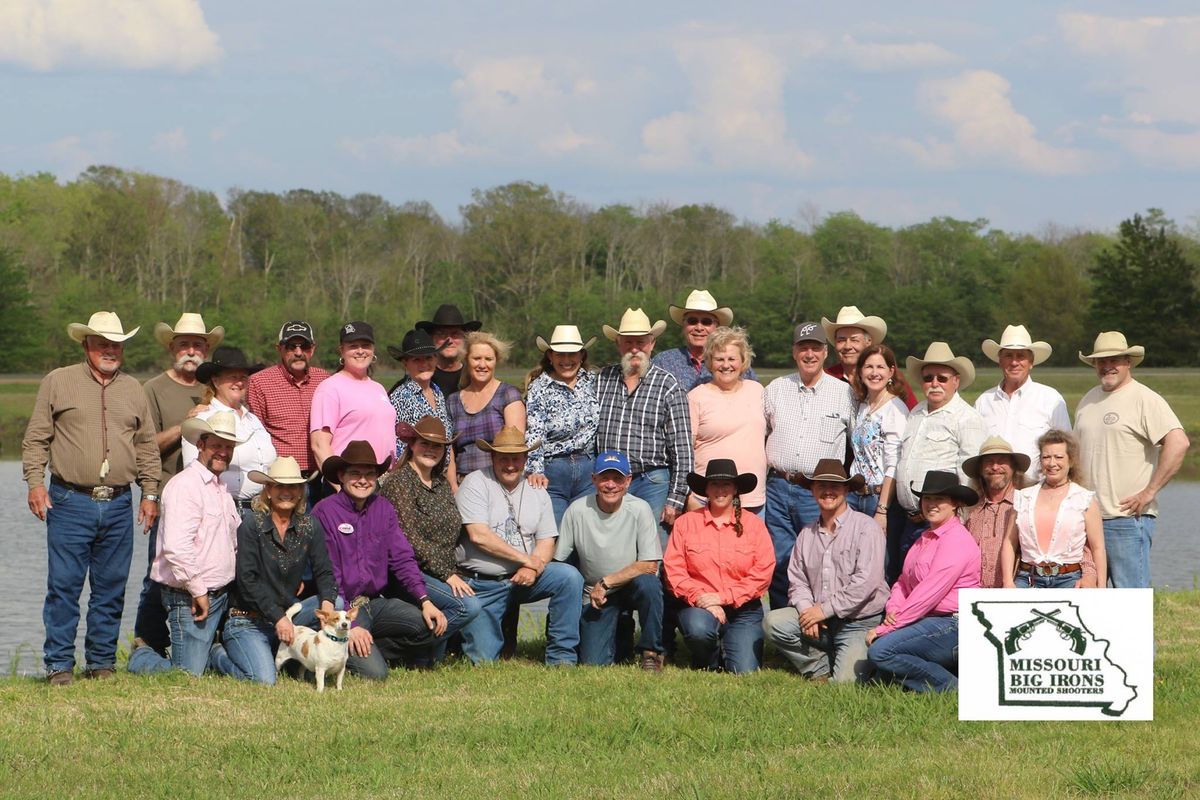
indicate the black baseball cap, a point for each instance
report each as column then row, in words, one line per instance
column 295, row 328
column 353, row 331
column 808, row 332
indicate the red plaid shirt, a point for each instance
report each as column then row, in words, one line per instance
column 283, row 404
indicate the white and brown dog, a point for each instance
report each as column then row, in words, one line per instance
column 322, row 652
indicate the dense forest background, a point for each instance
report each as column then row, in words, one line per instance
column 524, row 258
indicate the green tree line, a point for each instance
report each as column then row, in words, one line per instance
column 524, row 257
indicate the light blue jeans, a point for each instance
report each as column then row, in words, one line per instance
column 737, row 645
column 248, row 645
column 561, row 583
column 570, row 478
column 921, row 656
column 653, row 486
column 789, row 508
column 1127, row 542
column 1028, row 580
column 459, row 612
column 842, row 655
column 191, row 641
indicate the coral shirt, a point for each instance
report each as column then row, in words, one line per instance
column 705, row 556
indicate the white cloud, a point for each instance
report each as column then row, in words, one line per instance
column 436, row 150
column 1174, row 150
column 70, row 155
column 174, row 141
column 735, row 120
column 127, row 34
column 986, row 128
column 883, row 57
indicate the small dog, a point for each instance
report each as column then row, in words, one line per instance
column 323, row 652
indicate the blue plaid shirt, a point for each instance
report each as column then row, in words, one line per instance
column 689, row 372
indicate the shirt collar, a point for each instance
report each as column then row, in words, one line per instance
column 838, row 521
column 944, row 528
column 708, row 520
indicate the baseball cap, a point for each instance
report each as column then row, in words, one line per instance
column 353, row 331
column 808, row 332
column 612, row 459
column 296, row 328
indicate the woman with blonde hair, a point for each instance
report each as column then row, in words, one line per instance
column 484, row 404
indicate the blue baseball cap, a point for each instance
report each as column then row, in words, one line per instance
column 612, row 459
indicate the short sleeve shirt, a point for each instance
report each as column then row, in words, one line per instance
column 522, row 518
column 353, row 410
column 606, row 543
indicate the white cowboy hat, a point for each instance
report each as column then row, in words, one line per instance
column 1017, row 338
column 103, row 323
column 189, row 325
column 701, row 300
column 1112, row 343
column 565, row 339
column 222, row 424
column 940, row 353
column 850, row 316
column 283, row 470
column 634, row 322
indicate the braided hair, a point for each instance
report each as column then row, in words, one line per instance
column 737, row 514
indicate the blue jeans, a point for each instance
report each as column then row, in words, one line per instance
column 248, row 645
column 93, row 541
column 841, row 654
column 921, row 655
column 902, row 532
column 653, row 486
column 150, row 625
column 863, row 503
column 570, row 478
column 1026, row 580
column 598, row 626
column 458, row 610
column 561, row 583
column 191, row 641
column 789, row 508
column 1127, row 543
column 737, row 645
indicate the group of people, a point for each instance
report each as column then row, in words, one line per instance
column 672, row 486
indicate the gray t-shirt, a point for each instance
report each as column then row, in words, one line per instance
column 606, row 543
column 521, row 518
column 170, row 403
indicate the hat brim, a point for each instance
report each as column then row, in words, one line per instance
column 960, row 364
column 964, row 494
column 853, row 483
column 511, row 450
column 208, row 370
column 408, row 434
column 724, row 314
column 78, row 331
column 875, row 327
column 419, row 352
column 744, row 482
column 1136, row 354
column 564, row 347
column 428, row 325
column 258, row 476
column 970, row 466
column 655, row 330
column 335, row 464
column 194, row 427
column 164, row 333
column 1041, row 350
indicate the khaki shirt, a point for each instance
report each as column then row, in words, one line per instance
column 66, row 431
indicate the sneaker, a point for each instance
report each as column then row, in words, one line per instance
column 104, row 673
column 652, row 661
column 61, row 678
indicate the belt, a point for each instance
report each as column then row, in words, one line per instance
column 1049, row 568
column 914, row 516
column 237, row 612
column 867, row 491
column 573, row 456
column 790, row 477
column 98, row 493
column 479, row 576
column 211, row 592
column 243, row 505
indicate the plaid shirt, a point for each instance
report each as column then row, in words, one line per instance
column 651, row 425
column 688, row 370
column 807, row 424
column 282, row 404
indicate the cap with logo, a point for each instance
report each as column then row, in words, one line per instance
column 296, row 328
column 354, row 331
column 808, row 332
column 612, row 459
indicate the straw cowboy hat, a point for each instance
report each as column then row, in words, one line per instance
column 850, row 316
column 940, row 353
column 510, row 440
column 946, row 484
column 701, row 300
column 721, row 469
column 222, row 424
column 103, row 323
column 189, row 324
column 995, row 446
column 1107, row 345
column 831, row 470
column 634, row 322
column 1016, row 338
column 283, row 471
column 429, row 428
column 358, row 452
column 565, row 339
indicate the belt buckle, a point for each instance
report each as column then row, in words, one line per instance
column 102, row 494
column 1047, row 572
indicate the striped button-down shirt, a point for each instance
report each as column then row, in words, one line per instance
column 840, row 570
column 806, row 424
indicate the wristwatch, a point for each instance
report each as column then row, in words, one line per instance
column 151, row 497
column 604, row 585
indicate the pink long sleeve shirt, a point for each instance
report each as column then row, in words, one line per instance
column 944, row 560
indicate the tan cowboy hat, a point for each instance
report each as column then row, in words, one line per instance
column 995, row 446
column 565, row 339
column 222, row 424
column 701, row 300
column 508, row 440
column 850, row 316
column 283, row 470
column 940, row 353
column 103, row 323
column 1112, row 343
column 1017, row 338
column 634, row 322
column 832, row 470
column 189, row 324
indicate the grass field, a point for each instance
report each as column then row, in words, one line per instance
column 518, row 729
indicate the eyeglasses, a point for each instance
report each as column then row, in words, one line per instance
column 705, row 321
column 938, row 378
column 289, row 346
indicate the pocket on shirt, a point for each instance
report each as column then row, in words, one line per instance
column 831, row 428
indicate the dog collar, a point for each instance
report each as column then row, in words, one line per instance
column 338, row 639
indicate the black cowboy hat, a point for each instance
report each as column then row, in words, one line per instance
column 831, row 470
column 947, row 485
column 722, row 469
column 224, row 358
column 416, row 343
column 448, row 316
column 356, row 452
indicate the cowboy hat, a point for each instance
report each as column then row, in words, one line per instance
column 428, row 427
column 222, row 424
column 224, row 358
column 701, row 300
column 508, row 440
column 945, row 484
column 358, row 452
column 189, row 324
column 830, row 470
column 940, row 353
column 565, row 339
column 416, row 343
column 448, row 316
column 634, row 322
column 1112, row 343
column 722, row 469
column 1016, row 338
column 283, row 470
column 105, row 324
column 995, row 446
column 850, row 316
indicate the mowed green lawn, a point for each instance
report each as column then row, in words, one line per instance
column 518, row 729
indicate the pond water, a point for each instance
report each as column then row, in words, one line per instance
column 1174, row 564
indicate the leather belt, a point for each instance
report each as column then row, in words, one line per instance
column 790, row 477
column 1050, row 569
column 237, row 612
column 914, row 516
column 867, row 491
column 211, row 592
column 98, row 493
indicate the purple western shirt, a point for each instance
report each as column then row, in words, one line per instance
column 366, row 545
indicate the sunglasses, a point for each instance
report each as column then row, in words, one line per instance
column 939, row 378
column 707, row 321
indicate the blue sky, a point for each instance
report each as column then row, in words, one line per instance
column 1024, row 113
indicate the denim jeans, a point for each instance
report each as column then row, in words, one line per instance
column 248, row 645
column 561, row 583
column 737, row 645
column 85, row 540
column 863, row 503
column 653, row 486
column 458, row 610
column 1127, row 543
column 921, row 655
column 570, row 478
column 789, row 508
column 1026, row 580
column 191, row 641
column 399, row 631
column 841, row 654
column 598, row 626
column 150, row 625
column 902, row 532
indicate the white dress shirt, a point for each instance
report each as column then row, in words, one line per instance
column 1023, row 416
column 936, row 440
column 257, row 452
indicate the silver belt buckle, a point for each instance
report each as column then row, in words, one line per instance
column 102, row 494
column 1047, row 572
